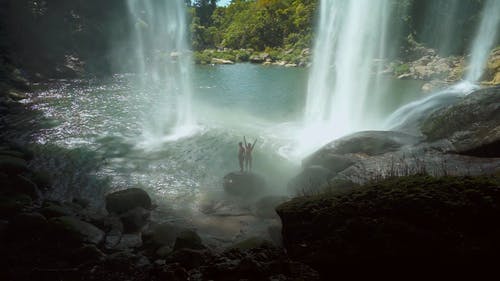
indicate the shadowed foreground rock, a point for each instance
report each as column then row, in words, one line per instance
column 125, row 200
column 416, row 221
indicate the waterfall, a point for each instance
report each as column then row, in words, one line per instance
column 485, row 38
column 162, row 58
column 351, row 36
column 408, row 117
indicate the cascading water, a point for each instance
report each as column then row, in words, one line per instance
column 351, row 36
column 408, row 117
column 162, row 59
column 486, row 37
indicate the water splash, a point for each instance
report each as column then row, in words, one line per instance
column 163, row 61
column 484, row 41
column 409, row 117
column 351, row 36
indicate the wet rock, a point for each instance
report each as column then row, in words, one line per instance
column 127, row 241
column 243, row 184
column 87, row 253
column 13, row 204
column 76, row 230
column 470, row 124
column 165, row 234
column 82, row 202
column 189, row 258
column 25, row 223
column 173, row 272
column 311, row 180
column 369, row 143
column 12, row 165
column 492, row 73
column 265, row 206
column 125, row 200
column 134, row 220
column 23, row 185
column 163, row 251
column 52, row 209
column 251, row 243
column 188, row 239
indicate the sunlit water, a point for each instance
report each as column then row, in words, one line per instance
column 107, row 117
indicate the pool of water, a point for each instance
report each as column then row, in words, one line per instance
column 108, row 118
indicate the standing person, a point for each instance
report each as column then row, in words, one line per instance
column 248, row 154
column 241, row 155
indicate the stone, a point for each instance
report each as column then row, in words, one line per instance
column 87, row 253
column 21, row 184
column 75, row 230
column 134, row 220
column 125, row 200
column 173, row 271
column 221, row 61
column 165, row 234
column 188, row 258
column 51, row 210
column 188, row 239
column 471, row 123
column 243, row 184
column 398, row 221
column 127, row 241
column 163, row 251
column 12, row 165
column 13, row 204
column 265, row 206
column 25, row 224
column 251, row 243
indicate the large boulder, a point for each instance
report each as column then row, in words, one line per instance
column 75, row 230
column 125, row 200
column 244, row 184
column 369, row 143
column 12, row 165
column 408, row 221
column 188, row 239
column 339, row 155
column 135, row 219
column 472, row 124
column 455, row 135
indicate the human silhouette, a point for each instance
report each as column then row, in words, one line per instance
column 248, row 154
column 241, row 155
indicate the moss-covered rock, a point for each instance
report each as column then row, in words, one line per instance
column 398, row 221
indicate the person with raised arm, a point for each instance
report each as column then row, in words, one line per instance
column 248, row 154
